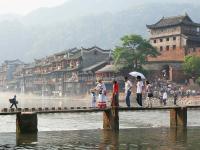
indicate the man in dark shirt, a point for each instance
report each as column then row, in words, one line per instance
column 13, row 101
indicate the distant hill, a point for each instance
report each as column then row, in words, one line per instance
column 81, row 23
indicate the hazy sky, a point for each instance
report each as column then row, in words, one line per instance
column 25, row 6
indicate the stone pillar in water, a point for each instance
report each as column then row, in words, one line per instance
column 26, row 122
column 178, row 117
column 111, row 117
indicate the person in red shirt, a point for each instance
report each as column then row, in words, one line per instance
column 115, row 98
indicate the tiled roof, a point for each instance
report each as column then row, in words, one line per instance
column 96, row 48
column 107, row 68
column 72, row 50
column 93, row 67
column 172, row 21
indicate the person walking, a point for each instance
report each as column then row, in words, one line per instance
column 128, row 86
column 13, row 101
column 115, row 97
column 149, row 93
column 139, row 90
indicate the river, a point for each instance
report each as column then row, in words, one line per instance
column 138, row 130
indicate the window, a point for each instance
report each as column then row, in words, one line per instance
column 174, row 38
column 154, row 41
column 167, row 47
column 161, row 40
column 161, row 48
column 174, row 47
column 167, row 39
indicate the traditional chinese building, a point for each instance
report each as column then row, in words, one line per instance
column 108, row 73
column 6, row 73
column 175, row 38
column 68, row 72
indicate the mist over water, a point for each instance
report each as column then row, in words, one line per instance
column 31, row 101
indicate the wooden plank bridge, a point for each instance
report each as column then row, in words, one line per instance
column 26, row 120
column 46, row 110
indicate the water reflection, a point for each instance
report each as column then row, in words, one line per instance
column 178, row 134
column 110, row 140
column 125, row 139
column 26, row 139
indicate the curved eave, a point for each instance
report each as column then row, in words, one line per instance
column 164, row 26
column 154, row 26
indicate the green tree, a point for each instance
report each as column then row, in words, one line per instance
column 191, row 66
column 133, row 52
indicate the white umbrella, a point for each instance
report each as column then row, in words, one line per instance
column 135, row 74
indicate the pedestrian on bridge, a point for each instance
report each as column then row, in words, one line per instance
column 165, row 98
column 13, row 101
column 128, row 86
column 101, row 89
column 115, row 94
column 175, row 97
column 149, row 93
column 139, row 90
column 93, row 94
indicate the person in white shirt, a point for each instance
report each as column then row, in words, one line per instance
column 165, row 98
column 128, row 86
column 139, row 90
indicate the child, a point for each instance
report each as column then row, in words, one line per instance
column 93, row 94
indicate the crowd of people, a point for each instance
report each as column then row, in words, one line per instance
column 145, row 92
column 99, row 94
column 159, row 90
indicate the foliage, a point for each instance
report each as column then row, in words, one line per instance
column 191, row 66
column 133, row 53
